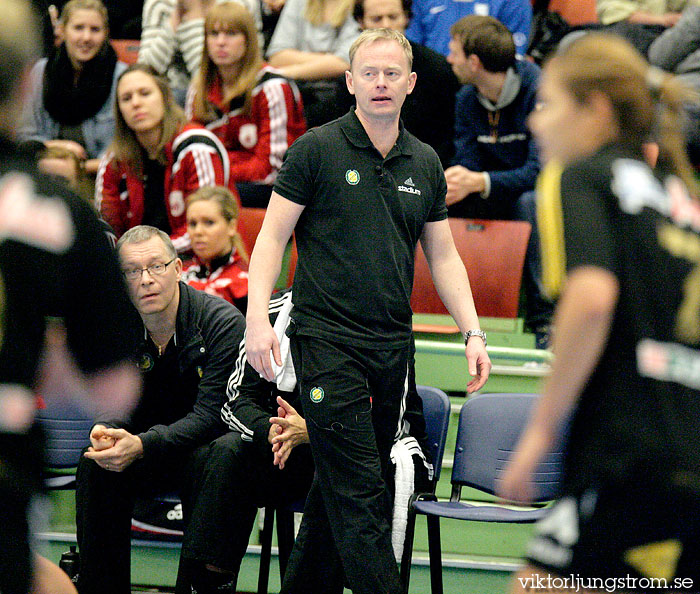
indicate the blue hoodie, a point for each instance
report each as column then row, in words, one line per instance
column 509, row 156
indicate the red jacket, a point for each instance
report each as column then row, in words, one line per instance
column 227, row 278
column 194, row 158
column 257, row 142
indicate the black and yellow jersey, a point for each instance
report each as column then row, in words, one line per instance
column 640, row 410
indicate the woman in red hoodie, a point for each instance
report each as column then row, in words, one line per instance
column 252, row 109
column 156, row 159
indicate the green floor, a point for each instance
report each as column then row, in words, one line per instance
column 156, row 566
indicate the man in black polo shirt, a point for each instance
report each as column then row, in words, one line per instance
column 361, row 192
column 189, row 346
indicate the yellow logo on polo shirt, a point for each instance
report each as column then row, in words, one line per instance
column 352, row 176
column 146, row 363
column 316, row 395
column 657, row 559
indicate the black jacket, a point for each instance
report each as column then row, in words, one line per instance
column 184, row 390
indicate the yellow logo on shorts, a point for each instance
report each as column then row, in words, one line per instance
column 316, row 395
column 352, row 176
column 656, row 559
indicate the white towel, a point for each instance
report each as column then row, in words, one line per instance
column 285, row 376
column 402, row 456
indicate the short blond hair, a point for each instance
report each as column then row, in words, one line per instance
column 74, row 5
column 374, row 35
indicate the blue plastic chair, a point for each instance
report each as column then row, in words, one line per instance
column 489, row 428
column 436, row 410
column 67, row 430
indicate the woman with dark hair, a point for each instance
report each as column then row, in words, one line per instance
column 254, row 110
column 156, row 159
column 621, row 245
column 70, row 103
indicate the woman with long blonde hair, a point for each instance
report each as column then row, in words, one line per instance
column 252, row 109
column 621, row 249
column 156, row 159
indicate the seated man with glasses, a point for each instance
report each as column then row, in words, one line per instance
column 189, row 347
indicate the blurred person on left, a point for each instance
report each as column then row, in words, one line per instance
column 55, row 263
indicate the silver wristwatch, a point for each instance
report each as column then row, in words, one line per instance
column 469, row 333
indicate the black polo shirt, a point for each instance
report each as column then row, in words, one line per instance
column 357, row 234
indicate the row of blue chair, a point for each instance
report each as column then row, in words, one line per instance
column 489, row 428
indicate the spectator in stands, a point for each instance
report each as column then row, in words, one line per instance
column 428, row 112
column 124, row 19
column 271, row 10
column 156, row 159
column 640, row 21
column 240, row 473
column 189, row 346
column 677, row 50
column 253, row 110
column 63, row 163
column 173, row 36
column 432, row 20
column 72, row 91
column 220, row 264
column 496, row 158
column 311, row 44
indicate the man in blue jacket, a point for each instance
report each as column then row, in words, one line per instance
column 190, row 344
column 496, row 160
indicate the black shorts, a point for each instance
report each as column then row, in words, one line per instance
column 638, row 539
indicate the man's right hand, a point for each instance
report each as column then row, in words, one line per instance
column 260, row 341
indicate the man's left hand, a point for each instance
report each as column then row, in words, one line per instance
column 479, row 363
column 126, row 449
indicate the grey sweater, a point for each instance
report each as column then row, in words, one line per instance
column 677, row 49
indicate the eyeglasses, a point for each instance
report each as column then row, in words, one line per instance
column 133, row 274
